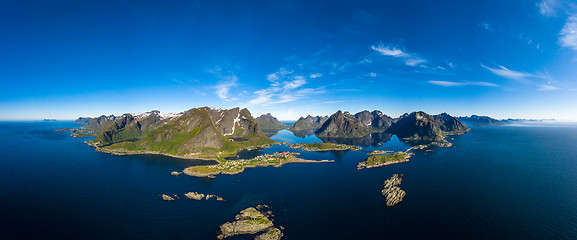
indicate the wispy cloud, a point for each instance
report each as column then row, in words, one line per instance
column 286, row 86
column 568, row 35
column 549, row 7
column 332, row 102
column 510, row 74
column 226, row 81
column 410, row 59
column 457, row 84
column 548, row 88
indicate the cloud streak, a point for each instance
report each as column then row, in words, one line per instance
column 568, row 35
column 410, row 59
column 458, row 84
column 510, row 74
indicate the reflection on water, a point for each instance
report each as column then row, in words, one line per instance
column 374, row 139
column 290, row 137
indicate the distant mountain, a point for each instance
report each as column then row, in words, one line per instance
column 49, row 120
column 416, row 126
column 420, row 126
column 475, row 120
column 346, row 125
column 450, row 124
column 309, row 122
column 197, row 131
column 270, row 124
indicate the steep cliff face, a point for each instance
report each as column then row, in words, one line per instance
column 309, row 122
column 196, row 130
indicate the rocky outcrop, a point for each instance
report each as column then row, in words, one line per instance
column 167, row 198
column 392, row 193
column 309, row 122
column 270, row 234
column 249, row 221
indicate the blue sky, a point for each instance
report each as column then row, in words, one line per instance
column 64, row 59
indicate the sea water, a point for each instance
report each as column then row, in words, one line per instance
column 498, row 182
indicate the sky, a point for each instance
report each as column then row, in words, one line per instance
column 501, row 58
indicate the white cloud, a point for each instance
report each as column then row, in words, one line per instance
column 568, row 35
column 457, row 84
column 315, row 75
column 549, row 7
column 332, row 102
column 410, row 59
column 371, row 74
column 510, row 74
column 548, row 88
column 224, row 85
column 388, row 51
column 286, row 87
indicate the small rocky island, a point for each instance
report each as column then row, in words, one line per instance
column 201, row 196
column 238, row 166
column 252, row 221
column 392, row 193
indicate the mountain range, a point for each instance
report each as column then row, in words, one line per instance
column 216, row 132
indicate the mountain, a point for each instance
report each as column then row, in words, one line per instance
column 450, row 125
column 475, row 120
column 309, row 122
column 420, row 126
column 270, row 124
column 197, row 132
column 346, row 125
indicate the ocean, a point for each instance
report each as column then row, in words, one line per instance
column 498, row 182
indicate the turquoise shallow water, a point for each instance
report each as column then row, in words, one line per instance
column 502, row 182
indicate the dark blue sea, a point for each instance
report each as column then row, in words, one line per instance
column 498, row 182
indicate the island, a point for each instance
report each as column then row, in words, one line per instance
column 238, row 166
column 382, row 158
column 323, row 147
column 252, row 220
column 392, row 193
